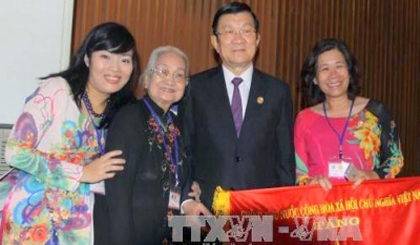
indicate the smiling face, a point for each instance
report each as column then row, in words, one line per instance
column 238, row 50
column 108, row 72
column 332, row 74
column 167, row 82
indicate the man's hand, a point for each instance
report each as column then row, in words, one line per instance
column 195, row 191
column 195, row 208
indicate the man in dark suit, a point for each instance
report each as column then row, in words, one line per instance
column 238, row 120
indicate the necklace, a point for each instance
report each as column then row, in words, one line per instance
column 89, row 108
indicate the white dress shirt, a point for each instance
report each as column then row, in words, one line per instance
column 244, row 87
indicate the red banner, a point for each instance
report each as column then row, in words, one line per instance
column 376, row 212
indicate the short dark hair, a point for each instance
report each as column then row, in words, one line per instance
column 233, row 8
column 112, row 37
column 313, row 93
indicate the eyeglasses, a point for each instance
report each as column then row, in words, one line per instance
column 232, row 33
column 178, row 77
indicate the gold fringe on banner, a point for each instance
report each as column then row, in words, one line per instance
column 221, row 201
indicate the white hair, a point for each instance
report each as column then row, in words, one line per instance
column 157, row 52
column 154, row 56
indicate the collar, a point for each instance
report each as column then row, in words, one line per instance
column 246, row 75
column 159, row 111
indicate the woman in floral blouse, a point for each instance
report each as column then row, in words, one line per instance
column 58, row 142
column 342, row 136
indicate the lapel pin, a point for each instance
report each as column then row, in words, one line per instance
column 260, row 100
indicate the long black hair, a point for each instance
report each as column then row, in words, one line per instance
column 114, row 38
column 313, row 93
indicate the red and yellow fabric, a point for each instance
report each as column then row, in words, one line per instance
column 377, row 212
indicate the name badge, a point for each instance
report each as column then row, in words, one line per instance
column 337, row 167
column 174, row 198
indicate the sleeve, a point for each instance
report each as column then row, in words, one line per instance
column 187, row 127
column 43, row 112
column 187, row 183
column 119, row 190
column 286, row 166
column 391, row 158
column 302, row 172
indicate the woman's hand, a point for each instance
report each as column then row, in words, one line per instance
column 362, row 175
column 103, row 168
column 323, row 181
column 195, row 191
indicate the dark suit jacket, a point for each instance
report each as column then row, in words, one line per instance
column 262, row 156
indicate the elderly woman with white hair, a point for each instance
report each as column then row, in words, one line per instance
column 155, row 178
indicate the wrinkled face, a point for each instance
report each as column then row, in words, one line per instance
column 108, row 72
column 332, row 74
column 168, row 80
column 237, row 40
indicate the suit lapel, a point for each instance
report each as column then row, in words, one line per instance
column 255, row 102
column 220, row 99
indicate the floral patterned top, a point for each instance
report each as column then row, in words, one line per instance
column 371, row 141
column 50, row 143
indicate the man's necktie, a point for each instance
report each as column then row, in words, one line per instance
column 237, row 105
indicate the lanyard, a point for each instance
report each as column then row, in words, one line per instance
column 98, row 131
column 99, row 138
column 340, row 137
column 165, row 143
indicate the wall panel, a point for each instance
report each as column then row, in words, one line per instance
column 383, row 34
